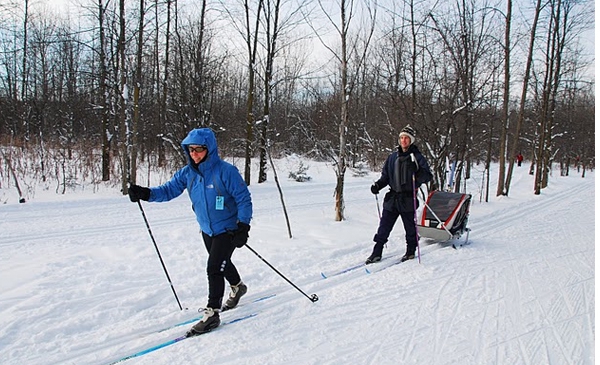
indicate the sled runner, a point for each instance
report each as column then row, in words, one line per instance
column 445, row 217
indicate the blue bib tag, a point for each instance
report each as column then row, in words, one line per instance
column 220, row 202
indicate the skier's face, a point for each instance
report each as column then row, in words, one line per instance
column 404, row 142
column 197, row 153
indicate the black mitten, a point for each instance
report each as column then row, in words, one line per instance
column 137, row 192
column 375, row 188
column 240, row 236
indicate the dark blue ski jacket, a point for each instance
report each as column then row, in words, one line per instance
column 220, row 197
column 397, row 173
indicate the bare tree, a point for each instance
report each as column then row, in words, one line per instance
column 271, row 26
column 24, row 72
column 123, row 122
column 65, row 91
column 560, row 28
column 164, row 82
column 136, row 95
column 249, row 29
column 103, row 94
column 349, row 48
column 504, row 118
column 251, row 33
column 275, row 23
column 521, row 116
column 470, row 45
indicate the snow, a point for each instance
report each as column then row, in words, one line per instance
column 81, row 282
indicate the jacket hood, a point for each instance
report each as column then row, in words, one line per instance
column 202, row 137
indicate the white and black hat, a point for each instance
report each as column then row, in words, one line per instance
column 409, row 132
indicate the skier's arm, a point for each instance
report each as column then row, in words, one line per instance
column 423, row 174
column 171, row 189
column 384, row 179
column 237, row 187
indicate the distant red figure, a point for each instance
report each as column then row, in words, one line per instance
column 519, row 159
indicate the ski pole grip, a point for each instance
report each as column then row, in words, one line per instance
column 414, row 160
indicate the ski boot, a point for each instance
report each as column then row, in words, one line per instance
column 237, row 291
column 210, row 320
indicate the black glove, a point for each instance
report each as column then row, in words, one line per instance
column 375, row 188
column 137, row 192
column 240, row 235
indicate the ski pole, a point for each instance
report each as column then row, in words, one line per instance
column 313, row 298
column 377, row 201
column 159, row 256
column 415, row 217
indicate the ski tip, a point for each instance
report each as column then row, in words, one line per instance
column 323, row 276
column 367, row 271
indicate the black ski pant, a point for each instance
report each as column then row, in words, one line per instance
column 386, row 224
column 219, row 267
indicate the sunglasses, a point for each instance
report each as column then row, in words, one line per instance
column 197, row 149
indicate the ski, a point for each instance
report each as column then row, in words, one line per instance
column 196, row 319
column 380, row 268
column 393, row 263
column 252, row 301
column 348, row 269
column 177, row 339
column 355, row 267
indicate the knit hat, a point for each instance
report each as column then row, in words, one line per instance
column 409, row 132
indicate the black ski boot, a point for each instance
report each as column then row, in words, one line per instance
column 376, row 254
column 407, row 256
column 210, row 320
column 237, row 291
column 375, row 257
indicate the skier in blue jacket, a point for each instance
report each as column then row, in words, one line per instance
column 221, row 200
column 400, row 201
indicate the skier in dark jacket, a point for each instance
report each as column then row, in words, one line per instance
column 398, row 172
column 223, row 207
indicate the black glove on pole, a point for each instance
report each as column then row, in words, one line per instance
column 137, row 192
column 375, row 188
column 157, row 251
column 313, row 298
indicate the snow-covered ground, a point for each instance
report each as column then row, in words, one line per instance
column 81, row 282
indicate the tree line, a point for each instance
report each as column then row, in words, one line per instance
column 115, row 83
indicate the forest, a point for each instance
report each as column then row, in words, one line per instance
column 93, row 89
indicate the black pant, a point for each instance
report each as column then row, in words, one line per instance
column 219, row 267
column 386, row 224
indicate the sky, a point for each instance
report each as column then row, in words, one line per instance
column 73, row 7
column 81, row 281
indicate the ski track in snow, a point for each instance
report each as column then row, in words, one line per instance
column 81, row 282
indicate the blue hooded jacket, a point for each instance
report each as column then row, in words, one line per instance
column 220, row 197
